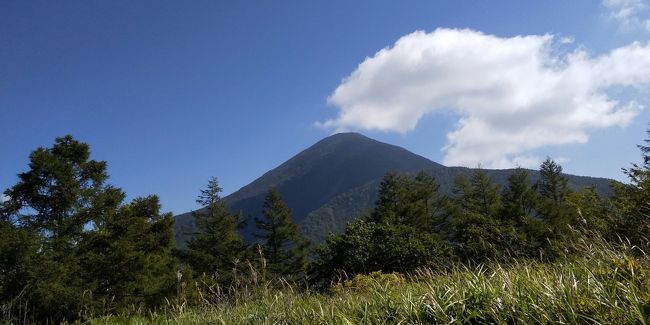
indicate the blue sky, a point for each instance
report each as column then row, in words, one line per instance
column 173, row 92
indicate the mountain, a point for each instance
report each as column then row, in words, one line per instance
column 336, row 180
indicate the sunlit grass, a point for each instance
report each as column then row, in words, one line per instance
column 606, row 284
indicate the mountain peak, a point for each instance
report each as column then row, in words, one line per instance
column 336, row 179
column 344, row 137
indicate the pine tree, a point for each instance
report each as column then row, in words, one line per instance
column 553, row 190
column 217, row 246
column 522, row 235
column 80, row 236
column 425, row 205
column 61, row 194
column 633, row 200
column 414, row 201
column 389, row 204
column 518, row 198
column 18, row 247
column 283, row 246
column 402, row 233
column 477, row 233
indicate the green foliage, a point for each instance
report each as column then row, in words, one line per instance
column 603, row 284
column 71, row 247
column 414, row 201
column 477, row 232
column 593, row 212
column 217, row 248
column 283, row 247
column 128, row 260
column 553, row 191
column 518, row 199
column 18, row 246
column 398, row 235
column 633, row 200
column 369, row 247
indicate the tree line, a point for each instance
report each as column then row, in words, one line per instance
column 70, row 245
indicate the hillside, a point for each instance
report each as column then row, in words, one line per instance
column 336, row 180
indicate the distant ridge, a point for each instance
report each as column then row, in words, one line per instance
column 336, row 180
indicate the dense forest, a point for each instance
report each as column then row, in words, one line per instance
column 72, row 248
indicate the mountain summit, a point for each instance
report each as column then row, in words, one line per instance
column 336, row 180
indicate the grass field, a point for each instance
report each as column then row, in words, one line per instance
column 606, row 284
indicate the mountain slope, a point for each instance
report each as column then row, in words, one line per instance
column 334, row 215
column 336, row 180
column 316, row 175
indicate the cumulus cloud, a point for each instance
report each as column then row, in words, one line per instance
column 626, row 12
column 512, row 95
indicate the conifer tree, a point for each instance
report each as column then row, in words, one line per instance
column 128, row 259
column 425, row 205
column 522, row 233
column 57, row 198
column 476, row 233
column 80, row 237
column 633, row 199
column 283, row 247
column 389, row 204
column 518, row 198
column 414, row 201
column 553, row 189
column 217, row 246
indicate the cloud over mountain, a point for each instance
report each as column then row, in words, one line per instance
column 511, row 94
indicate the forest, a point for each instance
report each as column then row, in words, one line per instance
column 72, row 249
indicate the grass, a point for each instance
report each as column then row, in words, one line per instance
column 605, row 284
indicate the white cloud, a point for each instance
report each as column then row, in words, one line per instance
column 512, row 95
column 566, row 40
column 626, row 12
column 4, row 198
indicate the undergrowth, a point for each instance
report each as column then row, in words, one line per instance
column 603, row 284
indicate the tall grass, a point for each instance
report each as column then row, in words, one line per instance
column 603, row 284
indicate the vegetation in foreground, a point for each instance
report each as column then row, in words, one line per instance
column 72, row 250
column 607, row 284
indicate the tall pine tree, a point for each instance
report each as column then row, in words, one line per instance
column 553, row 190
column 476, row 231
column 217, row 246
column 72, row 221
column 283, row 247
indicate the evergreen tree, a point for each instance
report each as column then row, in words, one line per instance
column 414, row 201
column 518, row 198
column 389, row 204
column 217, row 246
column 57, row 198
column 521, row 231
column 476, row 233
column 283, row 246
column 425, row 205
column 553, row 190
column 400, row 234
column 633, row 199
column 128, row 259
column 78, row 237
column 18, row 246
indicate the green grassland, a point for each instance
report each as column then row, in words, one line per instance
column 604, row 284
